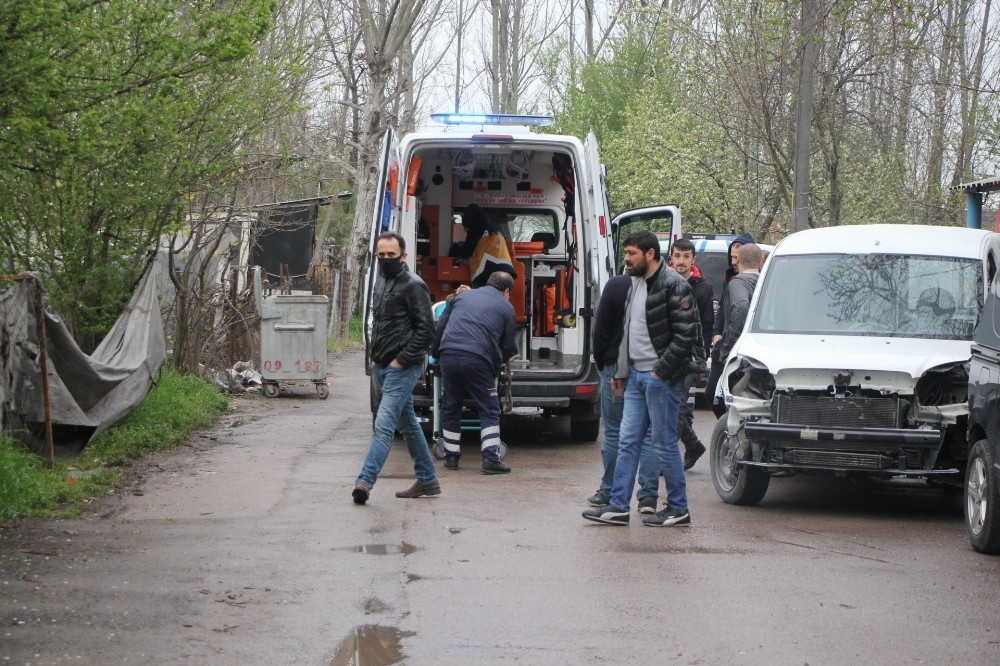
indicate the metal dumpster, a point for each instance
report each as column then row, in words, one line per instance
column 292, row 338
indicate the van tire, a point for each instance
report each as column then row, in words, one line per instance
column 734, row 484
column 982, row 499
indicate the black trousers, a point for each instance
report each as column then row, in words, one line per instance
column 470, row 374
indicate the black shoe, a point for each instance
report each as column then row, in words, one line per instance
column 691, row 455
column 494, row 468
column 607, row 514
column 598, row 499
column 668, row 517
column 647, row 505
column 361, row 492
column 451, row 462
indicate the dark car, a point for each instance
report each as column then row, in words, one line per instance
column 982, row 473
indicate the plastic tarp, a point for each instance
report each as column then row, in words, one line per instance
column 89, row 393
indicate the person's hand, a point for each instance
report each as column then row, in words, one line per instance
column 716, row 339
column 396, row 364
column 431, row 360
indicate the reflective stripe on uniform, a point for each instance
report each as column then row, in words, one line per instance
column 452, row 441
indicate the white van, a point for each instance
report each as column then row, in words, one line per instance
column 548, row 194
column 854, row 360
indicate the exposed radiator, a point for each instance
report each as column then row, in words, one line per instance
column 839, row 459
column 827, row 411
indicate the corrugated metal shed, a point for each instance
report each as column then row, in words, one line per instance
column 974, row 193
column 985, row 185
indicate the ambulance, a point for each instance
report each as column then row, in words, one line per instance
column 548, row 195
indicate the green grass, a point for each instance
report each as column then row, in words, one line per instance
column 174, row 407
column 354, row 337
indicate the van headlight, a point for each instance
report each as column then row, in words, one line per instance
column 749, row 378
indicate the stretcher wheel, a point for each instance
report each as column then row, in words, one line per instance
column 323, row 391
column 270, row 389
column 439, row 451
column 502, row 450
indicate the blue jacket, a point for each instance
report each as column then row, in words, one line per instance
column 478, row 322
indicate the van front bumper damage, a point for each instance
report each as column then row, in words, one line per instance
column 897, row 451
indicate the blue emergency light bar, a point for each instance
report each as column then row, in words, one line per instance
column 492, row 119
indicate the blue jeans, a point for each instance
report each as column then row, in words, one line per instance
column 611, row 416
column 650, row 404
column 396, row 412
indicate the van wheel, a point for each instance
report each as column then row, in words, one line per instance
column 982, row 499
column 584, row 430
column 734, row 484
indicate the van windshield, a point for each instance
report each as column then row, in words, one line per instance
column 871, row 294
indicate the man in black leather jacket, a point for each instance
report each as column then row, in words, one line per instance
column 661, row 345
column 402, row 332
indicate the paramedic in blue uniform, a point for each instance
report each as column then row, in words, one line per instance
column 475, row 336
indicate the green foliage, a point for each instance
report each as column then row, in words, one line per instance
column 355, row 334
column 176, row 406
column 112, row 113
column 173, row 408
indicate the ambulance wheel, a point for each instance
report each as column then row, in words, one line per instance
column 438, row 449
column 270, row 389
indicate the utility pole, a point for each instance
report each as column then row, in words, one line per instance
column 458, row 57
column 804, row 113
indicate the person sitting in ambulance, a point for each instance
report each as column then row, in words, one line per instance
column 485, row 248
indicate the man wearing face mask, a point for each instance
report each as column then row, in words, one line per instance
column 402, row 331
column 475, row 336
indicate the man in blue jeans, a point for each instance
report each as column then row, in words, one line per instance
column 662, row 343
column 402, row 332
column 608, row 331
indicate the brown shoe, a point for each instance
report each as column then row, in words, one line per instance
column 419, row 489
column 361, row 492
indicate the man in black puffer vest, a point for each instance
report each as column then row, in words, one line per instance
column 662, row 344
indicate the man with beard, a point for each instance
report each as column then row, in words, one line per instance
column 661, row 345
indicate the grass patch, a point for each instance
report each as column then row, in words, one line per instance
column 355, row 337
column 174, row 407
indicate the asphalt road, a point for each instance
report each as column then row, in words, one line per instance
column 244, row 547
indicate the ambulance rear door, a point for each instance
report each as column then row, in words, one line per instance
column 600, row 244
column 657, row 218
column 385, row 217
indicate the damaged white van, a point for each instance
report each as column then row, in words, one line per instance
column 855, row 358
column 547, row 194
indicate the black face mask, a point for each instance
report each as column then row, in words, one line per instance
column 390, row 266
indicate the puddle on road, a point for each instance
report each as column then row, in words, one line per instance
column 382, row 549
column 371, row 645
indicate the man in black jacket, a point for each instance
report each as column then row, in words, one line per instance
column 475, row 336
column 662, row 343
column 682, row 260
column 608, row 331
column 402, row 331
column 719, row 326
column 735, row 303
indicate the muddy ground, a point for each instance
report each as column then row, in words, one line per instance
column 243, row 547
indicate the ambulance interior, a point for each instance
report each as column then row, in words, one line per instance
column 525, row 192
